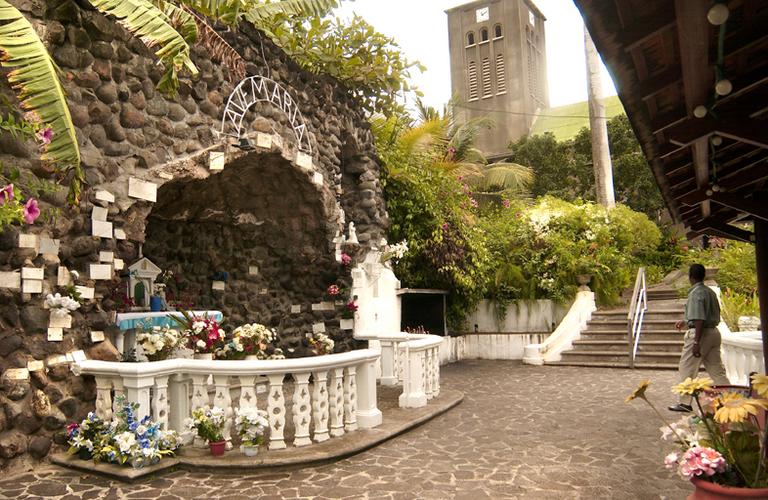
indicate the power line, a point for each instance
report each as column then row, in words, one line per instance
column 521, row 113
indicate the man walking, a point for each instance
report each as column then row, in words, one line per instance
column 702, row 340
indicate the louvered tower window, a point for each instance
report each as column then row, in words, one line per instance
column 487, row 91
column 501, row 75
column 472, row 71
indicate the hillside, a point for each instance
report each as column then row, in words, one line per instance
column 566, row 121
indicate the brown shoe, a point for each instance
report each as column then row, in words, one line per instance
column 681, row 407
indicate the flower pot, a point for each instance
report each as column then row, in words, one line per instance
column 217, row 448
column 250, row 451
column 583, row 281
column 204, row 355
column 251, row 357
column 84, row 454
column 705, row 490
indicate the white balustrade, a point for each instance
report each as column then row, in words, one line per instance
column 332, row 394
column 742, row 354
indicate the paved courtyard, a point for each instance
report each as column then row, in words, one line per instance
column 521, row 432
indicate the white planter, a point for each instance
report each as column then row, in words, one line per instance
column 204, row 355
column 347, row 324
column 250, row 451
column 251, row 357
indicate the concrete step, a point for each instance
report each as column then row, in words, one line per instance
column 607, row 331
column 588, row 345
column 651, row 324
column 604, row 364
column 622, row 336
column 672, row 314
column 668, row 358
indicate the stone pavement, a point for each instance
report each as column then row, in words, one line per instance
column 522, row 432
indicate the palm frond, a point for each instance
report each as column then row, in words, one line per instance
column 426, row 113
column 181, row 20
column 465, row 135
column 218, row 48
column 264, row 10
column 418, row 138
column 154, row 28
column 226, row 11
column 35, row 78
column 509, row 177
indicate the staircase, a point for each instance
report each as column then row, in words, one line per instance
column 604, row 342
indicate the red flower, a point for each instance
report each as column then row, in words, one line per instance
column 333, row 290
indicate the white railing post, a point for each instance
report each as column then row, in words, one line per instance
column 160, row 401
column 276, row 411
column 137, row 390
column 178, row 392
column 104, row 398
column 248, row 397
column 413, row 395
column 388, row 363
column 350, row 399
column 368, row 413
column 436, row 372
column 223, row 400
column 337, row 402
column 320, row 405
column 301, row 410
column 119, row 388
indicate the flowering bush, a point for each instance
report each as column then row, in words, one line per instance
column 722, row 442
column 252, row 340
column 158, row 343
column 126, row 439
column 61, row 305
column 208, row 423
column 321, row 344
column 13, row 208
column 251, row 425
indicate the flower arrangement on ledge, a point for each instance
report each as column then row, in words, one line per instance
column 208, row 424
column 724, row 442
column 252, row 341
column 252, row 425
column 157, row 343
column 349, row 310
column 321, row 344
column 126, row 439
column 204, row 335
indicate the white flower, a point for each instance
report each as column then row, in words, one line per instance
column 125, row 441
column 200, row 344
column 141, row 430
column 75, row 275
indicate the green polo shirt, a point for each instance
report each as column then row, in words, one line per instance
column 702, row 304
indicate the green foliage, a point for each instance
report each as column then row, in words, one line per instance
column 564, row 168
column 735, row 260
column 370, row 64
column 35, row 78
column 735, row 304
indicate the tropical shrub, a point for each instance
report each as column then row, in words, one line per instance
column 735, row 304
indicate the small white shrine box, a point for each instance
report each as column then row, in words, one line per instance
column 141, row 281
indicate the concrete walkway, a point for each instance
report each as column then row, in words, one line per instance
column 521, row 432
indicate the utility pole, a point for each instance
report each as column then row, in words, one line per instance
column 598, row 125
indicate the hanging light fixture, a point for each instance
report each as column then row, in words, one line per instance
column 717, row 140
column 700, row 111
column 718, row 14
column 723, row 87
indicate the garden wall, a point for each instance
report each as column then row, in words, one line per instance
column 268, row 220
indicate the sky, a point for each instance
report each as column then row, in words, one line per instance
column 420, row 27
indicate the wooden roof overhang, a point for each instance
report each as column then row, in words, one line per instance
column 665, row 58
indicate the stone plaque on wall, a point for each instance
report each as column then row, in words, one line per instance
column 32, row 286
column 97, row 336
column 86, row 292
column 32, row 273
column 55, row 334
column 142, row 190
column 218, row 285
column 101, row 229
column 29, row 241
column 99, row 213
column 304, row 161
column 100, row 271
column 60, row 320
column 216, row 160
column 49, row 246
column 106, row 256
column 102, row 195
column 10, row 279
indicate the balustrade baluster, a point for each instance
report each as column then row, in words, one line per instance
column 276, row 409
column 436, row 372
column 200, row 392
column 337, row 402
column 350, row 399
column 248, row 397
column 137, row 390
column 119, row 390
column 301, row 410
column 178, row 393
column 223, row 399
column 428, row 371
column 424, row 368
column 104, row 398
column 160, row 401
column 320, row 406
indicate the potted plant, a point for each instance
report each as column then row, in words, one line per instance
column 251, row 341
column 347, row 315
column 204, row 335
column 721, row 446
column 208, row 423
column 251, row 425
column 157, row 343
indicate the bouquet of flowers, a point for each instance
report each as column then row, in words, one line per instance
column 61, row 305
column 724, row 441
column 204, row 335
column 396, row 251
column 349, row 310
column 158, row 343
column 321, row 344
column 208, row 423
column 251, row 425
column 126, row 439
column 251, row 339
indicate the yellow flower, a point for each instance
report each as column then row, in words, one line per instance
column 733, row 407
column 640, row 391
column 760, row 384
column 693, row 386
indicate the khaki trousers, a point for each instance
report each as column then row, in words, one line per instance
column 710, row 356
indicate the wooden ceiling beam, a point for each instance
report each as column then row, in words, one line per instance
column 718, row 228
column 743, row 39
column 693, row 130
column 634, row 36
column 732, row 201
column 693, row 38
column 661, row 122
column 658, row 83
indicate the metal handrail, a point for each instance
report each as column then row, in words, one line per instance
column 635, row 315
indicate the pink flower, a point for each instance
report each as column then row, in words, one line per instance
column 6, row 194
column 473, row 202
column 345, row 259
column 670, row 461
column 45, row 135
column 333, row 290
column 446, row 226
column 31, row 211
column 506, row 203
column 351, row 306
column 701, row 461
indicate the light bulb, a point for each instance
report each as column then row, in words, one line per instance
column 700, row 111
column 724, row 87
column 716, row 140
column 716, row 188
column 708, row 192
column 718, row 14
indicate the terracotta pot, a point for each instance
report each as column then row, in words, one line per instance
column 217, row 448
column 705, row 490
